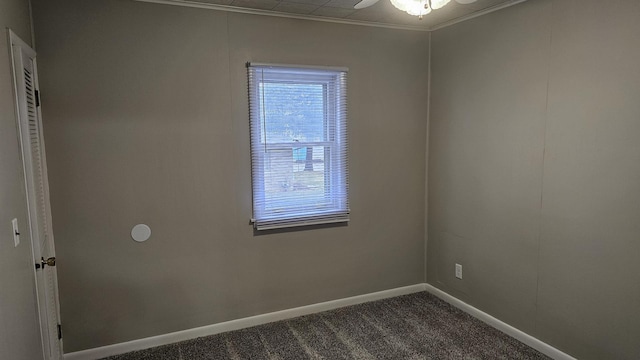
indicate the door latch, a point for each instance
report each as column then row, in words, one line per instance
column 48, row 262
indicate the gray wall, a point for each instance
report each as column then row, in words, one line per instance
column 19, row 331
column 146, row 121
column 534, row 171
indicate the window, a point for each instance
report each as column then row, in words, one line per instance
column 298, row 145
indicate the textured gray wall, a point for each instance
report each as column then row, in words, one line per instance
column 19, row 331
column 534, row 171
column 146, row 120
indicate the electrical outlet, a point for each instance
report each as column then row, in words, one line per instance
column 16, row 232
column 459, row 271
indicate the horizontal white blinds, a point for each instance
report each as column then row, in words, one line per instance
column 298, row 145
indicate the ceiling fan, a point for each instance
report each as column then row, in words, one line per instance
column 413, row 7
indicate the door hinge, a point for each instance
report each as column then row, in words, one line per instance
column 59, row 331
column 37, row 98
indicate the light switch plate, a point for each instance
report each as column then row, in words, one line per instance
column 16, row 232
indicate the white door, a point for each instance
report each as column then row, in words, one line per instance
column 35, row 169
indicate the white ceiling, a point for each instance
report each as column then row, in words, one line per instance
column 382, row 13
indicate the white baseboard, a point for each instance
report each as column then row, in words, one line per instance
column 500, row 325
column 121, row 348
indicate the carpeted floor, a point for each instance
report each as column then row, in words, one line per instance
column 416, row 326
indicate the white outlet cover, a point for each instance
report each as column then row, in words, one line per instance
column 459, row 271
column 16, row 232
column 140, row 233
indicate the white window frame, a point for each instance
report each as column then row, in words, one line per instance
column 267, row 216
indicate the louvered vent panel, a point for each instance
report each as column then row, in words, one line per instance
column 34, row 135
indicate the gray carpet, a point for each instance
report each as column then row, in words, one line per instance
column 416, row 326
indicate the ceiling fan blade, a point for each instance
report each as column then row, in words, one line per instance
column 364, row 3
column 465, row 1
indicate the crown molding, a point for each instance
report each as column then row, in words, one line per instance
column 235, row 9
column 476, row 14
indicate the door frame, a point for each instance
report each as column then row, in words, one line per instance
column 51, row 344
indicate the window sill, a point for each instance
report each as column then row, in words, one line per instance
column 290, row 222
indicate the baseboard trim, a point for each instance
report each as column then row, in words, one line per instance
column 121, row 348
column 500, row 325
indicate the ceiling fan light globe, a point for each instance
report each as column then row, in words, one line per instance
column 437, row 4
column 412, row 7
column 400, row 4
column 418, row 8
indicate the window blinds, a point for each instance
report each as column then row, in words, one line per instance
column 298, row 145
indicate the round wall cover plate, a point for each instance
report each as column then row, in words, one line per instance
column 140, row 232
